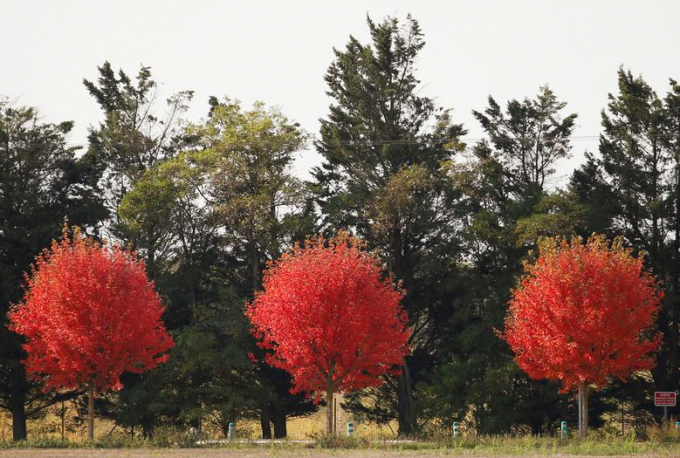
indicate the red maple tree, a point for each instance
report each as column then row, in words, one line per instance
column 583, row 313
column 89, row 314
column 330, row 318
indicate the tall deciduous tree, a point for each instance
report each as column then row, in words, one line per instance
column 42, row 184
column 330, row 319
column 380, row 135
column 247, row 156
column 221, row 208
column 170, row 196
column 582, row 314
column 90, row 314
column 132, row 138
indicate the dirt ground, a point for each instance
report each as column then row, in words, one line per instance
column 248, row 453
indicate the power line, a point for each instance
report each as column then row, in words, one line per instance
column 471, row 140
column 466, row 140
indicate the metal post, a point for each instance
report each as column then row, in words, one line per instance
column 564, row 432
column 677, row 426
column 350, row 428
column 665, row 414
column 456, row 431
column 230, row 432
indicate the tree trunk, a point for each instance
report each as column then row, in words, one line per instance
column 265, row 422
column 63, row 421
column 254, row 254
column 329, row 412
column 90, row 413
column 405, row 410
column 19, row 418
column 280, row 427
column 195, row 423
column 674, row 369
column 151, row 256
column 147, row 429
column 583, row 410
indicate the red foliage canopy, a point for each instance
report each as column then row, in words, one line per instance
column 89, row 314
column 330, row 318
column 583, row 313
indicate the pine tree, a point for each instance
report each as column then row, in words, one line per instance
column 380, row 138
column 42, row 185
column 505, row 203
column 639, row 162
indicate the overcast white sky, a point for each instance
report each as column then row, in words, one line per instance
column 278, row 52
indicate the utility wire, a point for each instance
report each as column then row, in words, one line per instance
column 466, row 140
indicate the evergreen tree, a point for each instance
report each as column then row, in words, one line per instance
column 589, row 190
column 42, row 186
column 671, row 140
column 505, row 203
column 380, row 140
column 639, row 163
column 528, row 139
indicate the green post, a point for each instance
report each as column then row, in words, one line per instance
column 564, row 432
column 677, row 426
column 230, row 432
column 456, row 430
column 350, row 428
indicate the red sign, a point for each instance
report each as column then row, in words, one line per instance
column 664, row 399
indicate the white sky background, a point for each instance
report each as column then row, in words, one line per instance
column 278, row 52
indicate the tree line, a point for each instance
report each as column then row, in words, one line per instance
column 207, row 204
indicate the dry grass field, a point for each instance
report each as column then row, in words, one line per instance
column 298, row 428
column 491, row 447
column 266, row 453
column 365, row 444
